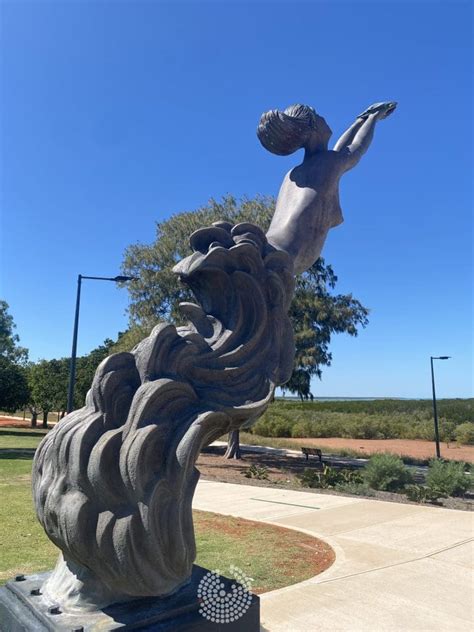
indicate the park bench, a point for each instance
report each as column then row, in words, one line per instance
column 313, row 452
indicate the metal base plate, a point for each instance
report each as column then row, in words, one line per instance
column 23, row 609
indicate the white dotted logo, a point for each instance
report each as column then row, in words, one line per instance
column 220, row 605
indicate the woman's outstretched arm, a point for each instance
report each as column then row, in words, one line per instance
column 346, row 139
column 352, row 153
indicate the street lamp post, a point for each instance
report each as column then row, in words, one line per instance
column 435, row 412
column 72, row 372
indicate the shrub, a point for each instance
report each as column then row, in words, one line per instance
column 328, row 477
column 465, row 433
column 386, row 472
column 447, row 478
column 254, row 471
column 420, row 493
column 358, row 489
column 447, row 431
column 273, row 426
column 301, row 429
column 384, row 419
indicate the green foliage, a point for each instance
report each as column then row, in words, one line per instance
column 254, row 471
column 129, row 339
column 13, row 383
column 456, row 410
column 48, row 380
column 272, row 426
column 447, row 430
column 357, row 489
column 447, row 478
column 14, row 391
column 386, row 472
column 378, row 419
column 464, row 433
column 328, row 477
column 9, row 347
column 315, row 312
column 420, row 493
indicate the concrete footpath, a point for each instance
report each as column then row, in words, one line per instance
column 398, row 567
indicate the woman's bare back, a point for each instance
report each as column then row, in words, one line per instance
column 307, row 207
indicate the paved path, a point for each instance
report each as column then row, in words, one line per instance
column 398, row 567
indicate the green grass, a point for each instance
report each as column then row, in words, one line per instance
column 273, row 557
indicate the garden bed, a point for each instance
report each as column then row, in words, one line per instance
column 283, row 471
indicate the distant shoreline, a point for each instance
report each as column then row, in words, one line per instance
column 295, row 398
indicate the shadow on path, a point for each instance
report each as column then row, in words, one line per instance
column 26, row 454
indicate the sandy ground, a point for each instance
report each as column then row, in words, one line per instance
column 414, row 448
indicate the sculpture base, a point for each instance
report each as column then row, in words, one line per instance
column 21, row 610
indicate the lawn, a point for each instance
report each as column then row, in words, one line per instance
column 272, row 556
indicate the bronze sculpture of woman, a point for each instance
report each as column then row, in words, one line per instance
column 114, row 481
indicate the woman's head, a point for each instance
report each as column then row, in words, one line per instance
column 283, row 133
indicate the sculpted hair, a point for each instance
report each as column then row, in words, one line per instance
column 283, row 133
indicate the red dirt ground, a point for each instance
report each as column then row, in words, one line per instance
column 408, row 447
column 15, row 422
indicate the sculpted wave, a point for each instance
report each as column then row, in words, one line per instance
column 113, row 482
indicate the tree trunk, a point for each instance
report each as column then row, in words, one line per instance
column 34, row 418
column 45, row 419
column 233, row 445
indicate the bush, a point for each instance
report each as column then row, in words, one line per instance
column 358, row 489
column 384, row 419
column 420, row 494
column 447, row 478
column 386, row 472
column 254, row 471
column 465, row 433
column 328, row 477
column 301, row 430
column 273, row 426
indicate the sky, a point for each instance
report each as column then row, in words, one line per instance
column 116, row 115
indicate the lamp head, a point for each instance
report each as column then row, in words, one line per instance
column 122, row 279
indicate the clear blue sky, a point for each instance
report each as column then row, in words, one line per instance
column 118, row 114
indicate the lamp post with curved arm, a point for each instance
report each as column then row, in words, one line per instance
column 72, row 372
column 435, row 412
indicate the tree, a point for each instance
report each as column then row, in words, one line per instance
column 13, row 382
column 48, row 381
column 14, row 392
column 48, row 388
column 9, row 347
column 316, row 315
column 315, row 312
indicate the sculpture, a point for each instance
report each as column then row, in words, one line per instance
column 308, row 201
column 113, row 482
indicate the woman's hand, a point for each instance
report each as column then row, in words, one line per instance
column 381, row 110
